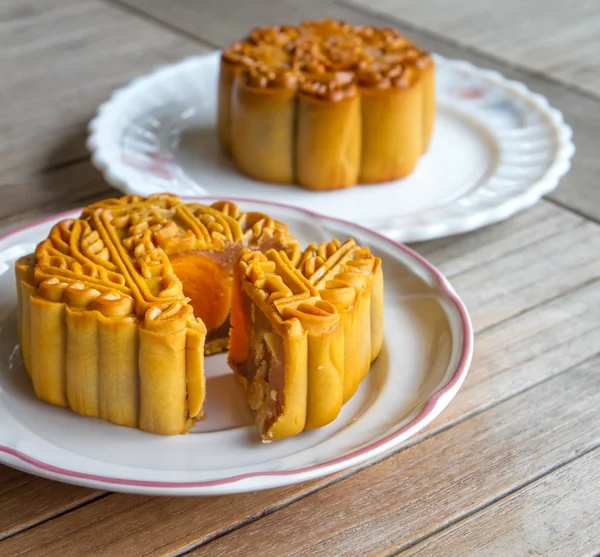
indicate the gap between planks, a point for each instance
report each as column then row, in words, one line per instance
column 134, row 10
column 563, row 502
column 65, row 510
column 384, row 17
column 573, row 210
column 45, row 119
column 53, row 166
column 475, row 510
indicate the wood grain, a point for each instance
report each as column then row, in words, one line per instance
column 528, row 349
column 223, row 21
column 128, row 525
column 527, row 277
column 412, row 494
column 52, row 191
column 563, row 44
column 26, row 500
column 501, row 470
column 556, row 515
column 60, row 60
column 523, row 352
column 464, row 252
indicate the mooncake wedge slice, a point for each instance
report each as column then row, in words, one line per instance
column 286, row 346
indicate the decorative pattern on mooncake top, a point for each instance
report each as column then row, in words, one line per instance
column 115, row 307
column 304, row 333
column 325, row 104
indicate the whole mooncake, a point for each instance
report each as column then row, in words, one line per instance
column 325, row 104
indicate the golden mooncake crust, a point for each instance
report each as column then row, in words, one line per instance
column 105, row 325
column 325, row 104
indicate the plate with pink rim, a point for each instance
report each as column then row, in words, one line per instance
column 426, row 355
column 497, row 148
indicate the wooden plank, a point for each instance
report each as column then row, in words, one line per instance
column 556, row 515
column 60, row 59
column 223, row 21
column 527, row 277
column 563, row 45
column 127, row 525
column 53, row 191
column 461, row 253
column 410, row 495
column 528, row 349
column 26, row 500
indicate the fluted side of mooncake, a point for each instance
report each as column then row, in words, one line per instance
column 350, row 277
column 325, row 104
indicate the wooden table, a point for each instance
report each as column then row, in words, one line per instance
column 512, row 467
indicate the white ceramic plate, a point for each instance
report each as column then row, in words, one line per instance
column 496, row 149
column 426, row 355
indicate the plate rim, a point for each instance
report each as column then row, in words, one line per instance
column 103, row 159
column 433, row 406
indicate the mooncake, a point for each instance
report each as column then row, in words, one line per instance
column 325, row 104
column 304, row 332
column 117, row 308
